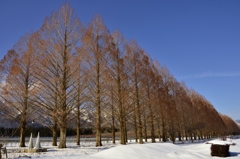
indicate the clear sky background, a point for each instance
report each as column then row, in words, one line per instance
column 198, row 40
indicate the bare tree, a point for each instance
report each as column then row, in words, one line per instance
column 64, row 71
column 134, row 55
column 60, row 34
column 162, row 94
column 118, row 76
column 94, row 43
column 19, row 89
column 148, row 85
column 80, row 88
column 182, row 109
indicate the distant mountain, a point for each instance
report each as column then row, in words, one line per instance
column 6, row 122
column 238, row 122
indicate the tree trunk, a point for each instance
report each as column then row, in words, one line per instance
column 145, row 127
column 152, row 127
column 63, row 97
column 78, row 123
column 172, row 135
column 201, row 134
column 98, row 135
column 151, row 116
column 62, row 143
column 163, row 132
column 98, row 104
column 78, row 132
column 194, row 136
column 98, row 123
column 186, row 136
column 140, row 126
column 113, row 123
column 122, row 131
column 138, row 107
column 24, row 111
column 78, row 135
column 191, row 137
column 159, row 130
column 98, row 129
column 54, row 138
column 113, row 134
column 179, row 136
column 1, row 151
column 63, row 121
column 135, row 126
column 54, row 133
column 125, row 130
column 122, row 126
column 121, row 115
column 23, row 133
column 125, row 126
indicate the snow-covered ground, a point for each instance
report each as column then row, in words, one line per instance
column 133, row 151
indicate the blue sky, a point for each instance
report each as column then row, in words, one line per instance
column 198, row 40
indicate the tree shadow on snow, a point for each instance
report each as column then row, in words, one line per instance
column 234, row 153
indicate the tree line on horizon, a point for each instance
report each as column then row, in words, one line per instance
column 66, row 74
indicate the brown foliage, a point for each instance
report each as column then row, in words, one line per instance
column 70, row 74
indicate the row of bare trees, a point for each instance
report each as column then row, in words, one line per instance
column 67, row 74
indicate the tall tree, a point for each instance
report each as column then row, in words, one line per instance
column 162, row 94
column 171, row 108
column 80, row 88
column 117, row 46
column 182, row 109
column 61, row 32
column 148, row 89
column 94, row 43
column 19, row 88
column 135, row 55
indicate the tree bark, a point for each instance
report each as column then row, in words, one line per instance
column 62, row 143
column 113, row 121
column 145, row 127
column 121, row 111
column 78, row 126
column 1, row 151
column 54, row 132
column 78, row 135
column 159, row 130
column 152, row 125
column 122, row 131
column 163, row 132
column 98, row 108
column 179, row 136
column 63, row 98
column 23, row 133
column 135, row 125
column 125, row 130
column 138, row 111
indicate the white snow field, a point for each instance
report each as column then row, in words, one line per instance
column 134, row 151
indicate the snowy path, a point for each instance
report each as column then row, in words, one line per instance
column 135, row 151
